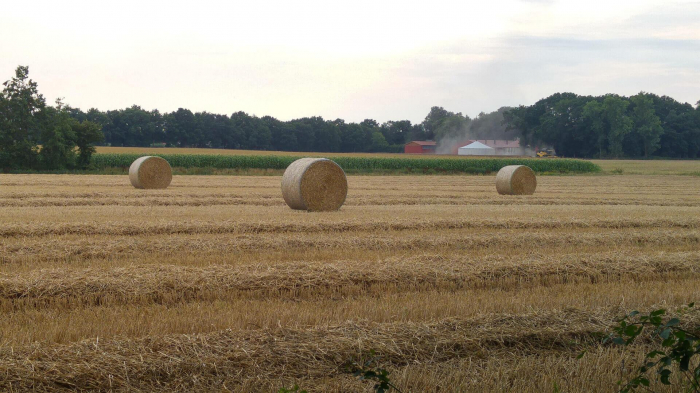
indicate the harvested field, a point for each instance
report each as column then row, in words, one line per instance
column 650, row 167
column 216, row 285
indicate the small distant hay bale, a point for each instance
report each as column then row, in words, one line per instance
column 516, row 180
column 151, row 173
column 314, row 184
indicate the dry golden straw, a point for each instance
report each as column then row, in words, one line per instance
column 314, row 184
column 151, row 173
column 217, row 286
column 516, row 180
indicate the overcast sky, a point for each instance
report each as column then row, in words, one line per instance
column 385, row 60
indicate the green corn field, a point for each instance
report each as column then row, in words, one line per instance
column 355, row 164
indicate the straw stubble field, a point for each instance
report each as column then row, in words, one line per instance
column 216, row 285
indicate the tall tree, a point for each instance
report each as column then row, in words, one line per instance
column 593, row 114
column 305, row 133
column 21, row 112
column 615, row 108
column 58, row 138
column 327, row 137
column 453, row 126
column 434, row 119
column 354, row 138
column 179, row 128
column 646, row 124
column 86, row 134
column 94, row 115
column 379, row 143
column 397, row 132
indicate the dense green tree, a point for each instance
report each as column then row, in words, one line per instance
column 433, row 121
column 86, row 134
column 283, row 136
column 255, row 133
column 681, row 138
column 354, row 138
column 205, row 130
column 619, row 124
column 593, row 115
column 397, row 132
column 115, row 131
column 370, row 124
column 534, row 123
column 453, row 126
column 646, row 124
column 218, row 130
column 609, row 126
column 76, row 113
column 21, row 117
column 57, row 139
column 526, row 119
column 36, row 136
column 305, row 133
column 562, row 125
column 440, row 124
column 179, row 128
column 379, row 143
column 96, row 116
column 259, row 136
column 327, row 136
column 141, row 127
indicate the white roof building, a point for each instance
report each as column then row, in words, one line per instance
column 476, row 149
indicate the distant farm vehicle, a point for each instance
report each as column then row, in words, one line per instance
column 546, row 153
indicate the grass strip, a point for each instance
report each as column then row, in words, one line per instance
column 355, row 164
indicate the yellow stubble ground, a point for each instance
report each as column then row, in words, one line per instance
column 216, row 285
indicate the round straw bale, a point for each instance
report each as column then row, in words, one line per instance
column 314, row 184
column 516, row 180
column 150, row 172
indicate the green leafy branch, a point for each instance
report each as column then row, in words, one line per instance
column 678, row 348
column 294, row 389
column 370, row 371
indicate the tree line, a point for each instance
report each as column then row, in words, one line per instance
column 34, row 135
column 37, row 136
column 643, row 125
column 136, row 126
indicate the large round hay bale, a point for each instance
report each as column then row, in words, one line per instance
column 150, row 172
column 516, row 180
column 314, row 184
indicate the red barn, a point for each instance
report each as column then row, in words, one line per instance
column 420, row 147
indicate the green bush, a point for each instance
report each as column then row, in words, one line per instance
column 676, row 348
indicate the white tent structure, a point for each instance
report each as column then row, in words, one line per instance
column 476, row 149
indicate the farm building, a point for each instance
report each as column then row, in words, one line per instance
column 476, row 149
column 506, row 148
column 500, row 147
column 420, row 147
